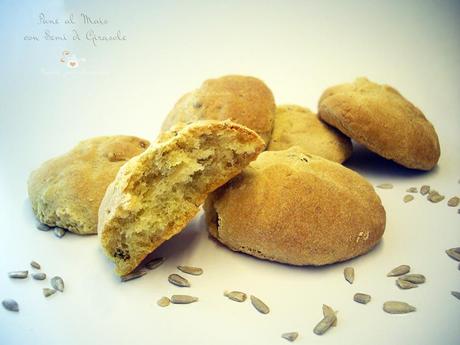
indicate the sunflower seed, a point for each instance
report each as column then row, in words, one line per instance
column 414, row 278
column 47, row 292
column 412, row 190
column 10, row 304
column 133, row 275
column 424, row 189
column 404, row 284
column 183, row 299
column 362, row 298
column 396, row 307
column 456, row 294
column 57, row 283
column 39, row 276
column 35, row 265
column 259, row 305
column 349, row 274
column 178, row 280
column 454, row 253
column 385, row 186
column 196, row 271
column 59, row 232
column 290, row 336
column 18, row 274
column 154, row 263
column 164, row 301
column 43, row 227
column 454, row 201
column 435, row 197
column 399, row 271
column 236, row 296
column 327, row 310
column 408, row 198
column 324, row 324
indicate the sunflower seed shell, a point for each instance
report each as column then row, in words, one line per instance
column 39, row 276
column 35, row 264
column 399, row 271
column 133, row 275
column 183, row 299
column 18, row 274
column 412, row 190
column 196, row 271
column 57, row 283
column 10, row 304
column 453, row 202
column 362, row 298
column 47, row 292
column 385, row 186
column 349, row 274
column 453, row 253
column 260, row 306
column 425, row 189
column 413, row 278
column 178, row 280
column 290, row 336
column 408, row 198
column 404, row 284
column 154, row 263
column 397, row 307
column 327, row 310
column 324, row 324
column 456, row 294
column 236, row 296
column 43, row 227
column 164, row 301
column 59, row 232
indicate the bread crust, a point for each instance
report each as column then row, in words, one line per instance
column 66, row 191
column 298, row 209
column 298, row 126
column 122, row 201
column 241, row 99
column 380, row 118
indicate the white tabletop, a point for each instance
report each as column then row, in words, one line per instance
column 127, row 86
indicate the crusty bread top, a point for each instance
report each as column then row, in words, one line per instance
column 298, row 126
column 242, row 99
column 296, row 208
column 381, row 119
column 66, row 191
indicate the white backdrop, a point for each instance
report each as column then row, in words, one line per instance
column 126, row 87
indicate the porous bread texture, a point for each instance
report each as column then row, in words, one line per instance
column 380, row 118
column 298, row 126
column 295, row 208
column 66, row 191
column 157, row 193
column 241, row 99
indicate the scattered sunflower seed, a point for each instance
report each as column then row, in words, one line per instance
column 327, row 310
column 39, row 276
column 183, row 299
column 399, row 271
column 385, row 186
column 412, row 190
column 349, row 274
column 290, row 336
column 454, row 201
column 260, row 306
column 435, row 197
column 454, row 253
column 133, row 275
column 424, row 189
column 414, row 278
column 47, row 292
column 59, row 232
column 324, row 324
column 178, row 280
column 456, row 294
column 236, row 296
column 35, row 264
column 196, row 271
column 408, row 198
column 43, row 227
column 18, row 274
column 10, row 304
column 164, row 301
column 362, row 298
column 154, row 263
column 404, row 284
column 57, row 283
column 396, row 307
